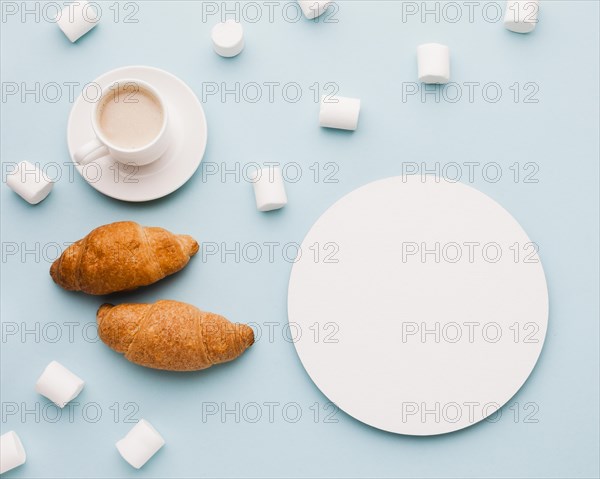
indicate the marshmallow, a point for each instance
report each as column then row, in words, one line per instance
column 228, row 38
column 269, row 189
column 29, row 183
column 140, row 444
column 434, row 63
column 314, row 8
column 76, row 19
column 521, row 15
column 59, row 384
column 12, row 452
column 339, row 112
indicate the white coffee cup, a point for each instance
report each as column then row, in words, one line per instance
column 130, row 121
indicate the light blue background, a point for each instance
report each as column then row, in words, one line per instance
column 369, row 53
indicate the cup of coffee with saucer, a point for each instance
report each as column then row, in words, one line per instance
column 141, row 137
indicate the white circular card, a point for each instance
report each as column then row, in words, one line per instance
column 421, row 305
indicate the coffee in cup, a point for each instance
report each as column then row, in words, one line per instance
column 130, row 116
column 130, row 123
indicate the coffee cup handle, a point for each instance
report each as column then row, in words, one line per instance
column 91, row 151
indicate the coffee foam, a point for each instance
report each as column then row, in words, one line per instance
column 130, row 116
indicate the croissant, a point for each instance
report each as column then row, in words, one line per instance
column 120, row 257
column 171, row 335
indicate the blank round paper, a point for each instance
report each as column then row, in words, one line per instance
column 419, row 306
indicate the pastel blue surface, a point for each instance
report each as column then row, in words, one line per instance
column 549, row 429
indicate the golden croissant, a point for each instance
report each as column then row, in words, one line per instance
column 171, row 335
column 120, row 257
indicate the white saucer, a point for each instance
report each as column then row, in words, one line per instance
column 168, row 173
column 357, row 306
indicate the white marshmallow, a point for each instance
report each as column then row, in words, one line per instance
column 269, row 189
column 29, row 183
column 314, row 8
column 12, row 452
column 521, row 15
column 140, row 444
column 228, row 38
column 339, row 112
column 76, row 19
column 59, row 384
column 433, row 60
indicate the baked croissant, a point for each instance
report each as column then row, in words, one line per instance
column 171, row 335
column 120, row 257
